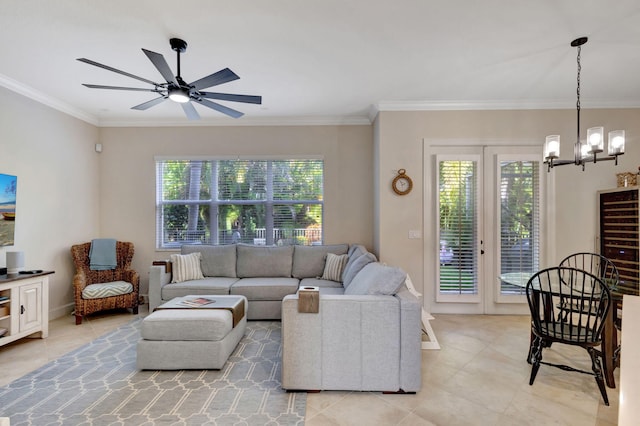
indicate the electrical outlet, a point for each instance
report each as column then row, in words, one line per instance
column 415, row 234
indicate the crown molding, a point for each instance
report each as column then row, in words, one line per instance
column 49, row 101
column 494, row 105
column 245, row 121
column 31, row 93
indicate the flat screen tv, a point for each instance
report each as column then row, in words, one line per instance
column 8, row 186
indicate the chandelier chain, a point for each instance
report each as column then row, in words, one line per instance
column 578, row 79
column 576, row 148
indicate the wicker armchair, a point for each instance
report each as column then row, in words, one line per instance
column 85, row 276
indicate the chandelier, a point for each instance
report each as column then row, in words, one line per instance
column 588, row 151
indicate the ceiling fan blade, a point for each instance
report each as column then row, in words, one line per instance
column 220, row 77
column 161, row 64
column 108, row 68
column 99, row 86
column 190, row 111
column 249, row 99
column 220, row 108
column 149, row 104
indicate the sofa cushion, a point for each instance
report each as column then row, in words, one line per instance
column 354, row 267
column 357, row 250
column 187, row 324
column 309, row 261
column 208, row 285
column 261, row 261
column 377, row 279
column 333, row 266
column 100, row 290
column 264, row 288
column 216, row 261
column 331, row 291
column 319, row 282
column 186, row 267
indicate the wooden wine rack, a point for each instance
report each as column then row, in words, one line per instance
column 619, row 234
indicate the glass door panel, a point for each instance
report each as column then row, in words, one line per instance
column 519, row 221
column 458, row 229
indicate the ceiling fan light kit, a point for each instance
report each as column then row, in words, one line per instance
column 179, row 95
column 588, row 151
column 176, row 89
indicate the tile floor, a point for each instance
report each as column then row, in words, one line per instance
column 479, row 377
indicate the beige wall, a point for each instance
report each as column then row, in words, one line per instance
column 68, row 193
column 58, row 191
column 400, row 143
column 127, row 175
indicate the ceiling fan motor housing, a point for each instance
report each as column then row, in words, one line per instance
column 178, row 45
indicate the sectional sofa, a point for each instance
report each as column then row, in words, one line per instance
column 366, row 334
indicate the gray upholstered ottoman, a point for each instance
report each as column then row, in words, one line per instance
column 189, row 339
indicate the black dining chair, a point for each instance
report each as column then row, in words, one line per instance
column 549, row 289
column 607, row 271
column 595, row 264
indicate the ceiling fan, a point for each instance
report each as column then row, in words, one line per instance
column 177, row 90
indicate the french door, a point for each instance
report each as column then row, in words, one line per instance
column 488, row 223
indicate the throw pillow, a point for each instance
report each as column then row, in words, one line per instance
column 216, row 260
column 333, row 266
column 354, row 267
column 377, row 279
column 308, row 261
column 186, row 267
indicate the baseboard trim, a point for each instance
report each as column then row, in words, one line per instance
column 61, row 311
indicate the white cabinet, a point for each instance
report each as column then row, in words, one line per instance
column 24, row 306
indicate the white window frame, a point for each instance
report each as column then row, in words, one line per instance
column 268, row 202
column 477, row 158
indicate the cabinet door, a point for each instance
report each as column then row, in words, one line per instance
column 30, row 306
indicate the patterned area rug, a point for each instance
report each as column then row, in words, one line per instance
column 99, row 384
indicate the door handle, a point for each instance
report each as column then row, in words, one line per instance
column 22, row 309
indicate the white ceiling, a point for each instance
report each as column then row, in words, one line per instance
column 324, row 61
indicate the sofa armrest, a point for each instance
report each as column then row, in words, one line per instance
column 411, row 340
column 352, row 343
column 158, row 278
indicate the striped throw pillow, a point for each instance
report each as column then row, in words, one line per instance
column 186, row 267
column 333, row 266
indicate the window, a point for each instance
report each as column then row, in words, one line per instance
column 231, row 201
column 519, row 220
column 458, row 221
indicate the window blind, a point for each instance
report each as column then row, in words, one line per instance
column 231, row 201
column 458, row 206
column 519, row 219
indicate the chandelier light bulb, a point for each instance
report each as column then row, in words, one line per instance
column 616, row 142
column 552, row 147
column 595, row 139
